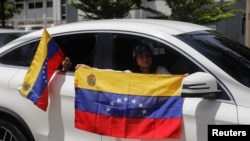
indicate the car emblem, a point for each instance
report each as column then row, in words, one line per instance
column 26, row 86
column 91, row 80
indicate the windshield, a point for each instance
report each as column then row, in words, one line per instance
column 229, row 55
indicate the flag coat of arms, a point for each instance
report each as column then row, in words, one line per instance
column 128, row 105
column 47, row 59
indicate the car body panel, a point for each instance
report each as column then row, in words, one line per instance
column 31, row 116
column 206, row 112
column 243, row 115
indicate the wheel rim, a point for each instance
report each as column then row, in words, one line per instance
column 6, row 135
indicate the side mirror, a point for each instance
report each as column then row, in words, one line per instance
column 200, row 84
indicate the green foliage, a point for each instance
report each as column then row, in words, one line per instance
column 105, row 9
column 201, row 11
column 9, row 10
column 195, row 11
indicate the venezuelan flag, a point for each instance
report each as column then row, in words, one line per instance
column 47, row 59
column 128, row 105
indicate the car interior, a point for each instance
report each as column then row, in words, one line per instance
column 80, row 50
column 163, row 56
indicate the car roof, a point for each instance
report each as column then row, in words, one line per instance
column 145, row 26
column 168, row 26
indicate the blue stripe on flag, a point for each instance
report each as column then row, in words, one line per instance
column 128, row 106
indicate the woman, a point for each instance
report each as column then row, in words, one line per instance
column 144, row 63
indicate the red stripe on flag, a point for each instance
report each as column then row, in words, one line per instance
column 42, row 102
column 54, row 62
column 143, row 128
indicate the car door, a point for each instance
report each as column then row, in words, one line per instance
column 91, row 49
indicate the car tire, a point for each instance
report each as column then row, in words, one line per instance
column 10, row 132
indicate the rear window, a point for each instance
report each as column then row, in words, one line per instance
column 36, row 27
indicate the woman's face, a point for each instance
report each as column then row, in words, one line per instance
column 144, row 60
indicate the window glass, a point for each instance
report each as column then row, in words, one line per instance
column 80, row 48
column 49, row 4
column 19, row 5
column 21, row 56
column 36, row 27
column 39, row 5
column 7, row 37
column 31, row 5
column 162, row 55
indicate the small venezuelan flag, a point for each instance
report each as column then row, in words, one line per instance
column 128, row 105
column 47, row 59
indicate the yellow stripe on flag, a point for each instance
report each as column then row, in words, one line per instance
column 128, row 83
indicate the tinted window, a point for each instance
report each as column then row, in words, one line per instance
column 21, row 56
column 7, row 37
column 230, row 56
column 36, row 27
column 78, row 47
column 162, row 55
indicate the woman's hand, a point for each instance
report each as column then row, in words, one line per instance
column 82, row 65
column 66, row 64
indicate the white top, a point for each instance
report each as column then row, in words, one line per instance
column 159, row 70
column 162, row 70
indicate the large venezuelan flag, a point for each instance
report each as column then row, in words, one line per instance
column 128, row 105
column 47, row 59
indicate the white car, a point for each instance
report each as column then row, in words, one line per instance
column 7, row 35
column 215, row 92
column 30, row 28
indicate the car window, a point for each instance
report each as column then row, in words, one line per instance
column 80, row 48
column 21, row 28
column 21, row 56
column 7, row 37
column 30, row 28
column 36, row 27
column 162, row 55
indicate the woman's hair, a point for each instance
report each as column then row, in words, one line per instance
column 138, row 50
